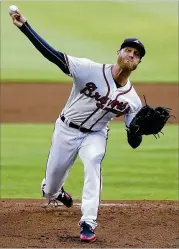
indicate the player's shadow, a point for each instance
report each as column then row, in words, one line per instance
column 66, row 238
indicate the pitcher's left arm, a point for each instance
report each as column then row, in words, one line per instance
column 134, row 141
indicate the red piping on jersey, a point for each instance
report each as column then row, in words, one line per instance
column 98, row 120
column 115, row 99
column 66, row 57
column 106, row 80
column 105, row 97
column 101, row 173
column 89, row 117
column 123, row 92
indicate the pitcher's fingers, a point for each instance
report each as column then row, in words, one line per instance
column 15, row 16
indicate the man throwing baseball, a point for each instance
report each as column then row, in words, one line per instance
column 99, row 93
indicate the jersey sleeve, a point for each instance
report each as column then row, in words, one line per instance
column 79, row 67
column 44, row 48
column 129, row 116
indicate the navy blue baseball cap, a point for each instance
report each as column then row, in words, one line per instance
column 134, row 43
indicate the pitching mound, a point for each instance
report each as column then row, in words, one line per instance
column 142, row 224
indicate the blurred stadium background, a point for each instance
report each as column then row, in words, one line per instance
column 94, row 30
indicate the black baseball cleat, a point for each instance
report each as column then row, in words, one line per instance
column 87, row 233
column 65, row 198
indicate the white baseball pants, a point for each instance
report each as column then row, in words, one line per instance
column 67, row 143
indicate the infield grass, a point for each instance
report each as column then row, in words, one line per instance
column 149, row 172
column 94, row 30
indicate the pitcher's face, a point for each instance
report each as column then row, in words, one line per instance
column 128, row 58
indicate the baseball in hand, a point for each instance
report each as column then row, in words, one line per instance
column 12, row 9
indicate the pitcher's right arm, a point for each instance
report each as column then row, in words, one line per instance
column 41, row 45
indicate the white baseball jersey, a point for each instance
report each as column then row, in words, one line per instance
column 95, row 98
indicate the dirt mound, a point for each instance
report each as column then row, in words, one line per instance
column 131, row 224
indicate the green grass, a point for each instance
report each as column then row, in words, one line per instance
column 94, row 30
column 149, row 172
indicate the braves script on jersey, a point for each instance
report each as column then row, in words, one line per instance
column 95, row 99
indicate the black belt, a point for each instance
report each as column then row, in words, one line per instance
column 72, row 125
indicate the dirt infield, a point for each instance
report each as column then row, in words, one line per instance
column 129, row 224
column 40, row 103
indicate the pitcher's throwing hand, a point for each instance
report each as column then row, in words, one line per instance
column 16, row 16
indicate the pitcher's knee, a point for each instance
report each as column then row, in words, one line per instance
column 94, row 163
column 94, row 159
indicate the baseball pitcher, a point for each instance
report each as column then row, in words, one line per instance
column 99, row 93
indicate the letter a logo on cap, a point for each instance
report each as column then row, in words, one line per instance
column 137, row 41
